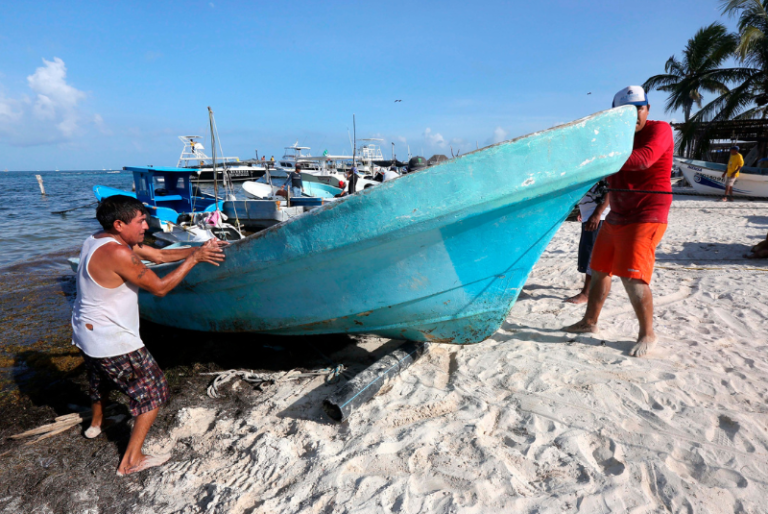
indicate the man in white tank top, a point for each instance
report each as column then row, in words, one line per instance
column 105, row 317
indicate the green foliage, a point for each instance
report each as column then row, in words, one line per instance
column 742, row 91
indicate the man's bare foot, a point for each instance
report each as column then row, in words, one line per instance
column 146, row 462
column 644, row 344
column 582, row 327
column 724, row 199
column 95, row 430
column 578, row 299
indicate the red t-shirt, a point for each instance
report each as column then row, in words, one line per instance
column 649, row 168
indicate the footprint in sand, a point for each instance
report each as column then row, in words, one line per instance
column 691, row 466
column 725, row 433
column 606, row 455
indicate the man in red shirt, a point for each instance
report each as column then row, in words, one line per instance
column 626, row 245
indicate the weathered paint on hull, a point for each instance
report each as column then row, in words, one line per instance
column 437, row 255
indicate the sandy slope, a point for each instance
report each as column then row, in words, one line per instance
column 531, row 420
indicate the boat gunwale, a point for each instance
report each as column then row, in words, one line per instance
column 342, row 201
column 517, row 195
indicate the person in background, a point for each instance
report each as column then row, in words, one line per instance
column 626, row 244
column 735, row 163
column 294, row 177
column 105, row 317
column 352, row 179
column 192, row 145
column 272, row 162
column 593, row 209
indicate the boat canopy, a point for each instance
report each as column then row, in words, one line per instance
column 167, row 191
column 325, row 158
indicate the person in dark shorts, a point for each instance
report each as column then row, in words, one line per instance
column 593, row 209
column 352, row 179
column 105, row 317
column 294, row 178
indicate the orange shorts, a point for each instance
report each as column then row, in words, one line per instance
column 627, row 250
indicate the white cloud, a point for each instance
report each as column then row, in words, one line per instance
column 10, row 110
column 401, row 139
column 51, row 116
column 435, row 139
column 99, row 122
column 499, row 135
column 55, row 98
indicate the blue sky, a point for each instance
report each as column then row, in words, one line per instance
column 105, row 84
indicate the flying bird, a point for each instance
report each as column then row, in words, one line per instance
column 398, row 101
column 589, row 93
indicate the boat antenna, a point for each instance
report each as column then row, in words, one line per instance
column 229, row 188
column 354, row 146
column 213, row 159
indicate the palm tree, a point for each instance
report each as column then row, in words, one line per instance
column 699, row 70
column 749, row 98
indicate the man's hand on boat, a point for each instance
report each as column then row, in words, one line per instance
column 211, row 252
column 158, row 256
column 129, row 267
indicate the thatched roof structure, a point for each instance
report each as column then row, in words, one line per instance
column 436, row 159
column 700, row 140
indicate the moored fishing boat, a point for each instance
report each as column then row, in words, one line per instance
column 176, row 213
column 437, row 255
column 193, row 158
column 707, row 177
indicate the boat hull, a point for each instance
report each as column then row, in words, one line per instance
column 707, row 177
column 438, row 255
column 239, row 174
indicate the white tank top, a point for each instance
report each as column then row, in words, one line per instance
column 113, row 313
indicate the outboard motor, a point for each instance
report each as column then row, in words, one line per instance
column 416, row 163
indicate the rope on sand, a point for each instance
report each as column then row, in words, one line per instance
column 711, row 269
column 686, row 193
column 332, row 375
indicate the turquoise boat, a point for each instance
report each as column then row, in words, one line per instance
column 320, row 190
column 166, row 192
column 436, row 255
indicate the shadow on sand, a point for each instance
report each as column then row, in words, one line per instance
column 513, row 331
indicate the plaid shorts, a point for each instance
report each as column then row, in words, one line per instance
column 136, row 374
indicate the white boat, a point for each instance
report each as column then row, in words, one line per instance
column 193, row 157
column 327, row 173
column 707, row 177
column 368, row 154
column 288, row 161
column 258, row 190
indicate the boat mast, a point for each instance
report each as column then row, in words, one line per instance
column 354, row 146
column 213, row 157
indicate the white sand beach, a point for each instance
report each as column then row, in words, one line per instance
column 531, row 420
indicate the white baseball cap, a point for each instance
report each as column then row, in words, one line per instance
column 632, row 95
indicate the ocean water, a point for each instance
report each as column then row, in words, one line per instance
column 29, row 230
